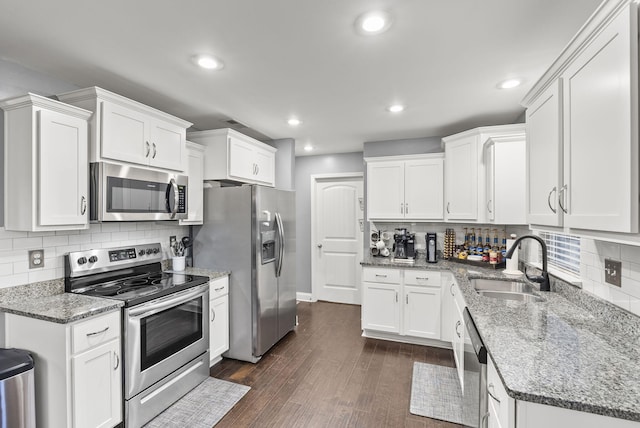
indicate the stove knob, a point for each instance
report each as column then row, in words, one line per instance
column 82, row 260
column 155, row 251
column 93, row 259
column 141, row 253
column 149, row 250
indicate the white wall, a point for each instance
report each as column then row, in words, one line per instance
column 14, row 246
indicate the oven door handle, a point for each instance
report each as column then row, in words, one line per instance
column 160, row 305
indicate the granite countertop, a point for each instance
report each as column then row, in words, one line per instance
column 47, row 301
column 571, row 350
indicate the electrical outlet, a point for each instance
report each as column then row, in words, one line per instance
column 36, row 259
column 172, row 241
column 613, row 272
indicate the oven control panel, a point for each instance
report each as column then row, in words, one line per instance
column 84, row 262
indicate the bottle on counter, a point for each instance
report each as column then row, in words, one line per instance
column 503, row 246
column 472, row 246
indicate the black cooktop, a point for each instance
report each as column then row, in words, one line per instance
column 135, row 290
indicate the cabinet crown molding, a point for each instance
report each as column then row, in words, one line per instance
column 31, row 99
column 438, row 155
column 102, row 94
column 511, row 129
column 199, row 135
column 602, row 16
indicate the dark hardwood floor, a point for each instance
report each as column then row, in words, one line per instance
column 325, row 374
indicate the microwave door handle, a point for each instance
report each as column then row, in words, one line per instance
column 176, row 196
column 280, row 227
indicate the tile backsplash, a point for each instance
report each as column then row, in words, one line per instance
column 15, row 246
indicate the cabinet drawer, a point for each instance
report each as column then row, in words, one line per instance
column 219, row 287
column 387, row 276
column 422, row 277
column 95, row 331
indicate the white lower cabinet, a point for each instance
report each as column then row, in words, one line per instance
column 501, row 406
column 78, row 369
column 458, row 333
column 401, row 301
column 218, row 318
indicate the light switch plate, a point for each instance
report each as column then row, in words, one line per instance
column 36, row 259
column 613, row 272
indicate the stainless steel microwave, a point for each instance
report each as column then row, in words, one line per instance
column 127, row 193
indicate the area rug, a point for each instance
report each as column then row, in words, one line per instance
column 202, row 407
column 436, row 393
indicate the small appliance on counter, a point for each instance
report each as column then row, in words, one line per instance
column 404, row 244
column 431, row 239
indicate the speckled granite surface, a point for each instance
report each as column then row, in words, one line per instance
column 47, row 301
column 572, row 350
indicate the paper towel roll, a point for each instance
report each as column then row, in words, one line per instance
column 512, row 263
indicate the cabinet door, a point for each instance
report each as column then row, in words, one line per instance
column 424, row 189
column 508, row 182
column 601, row 131
column 447, row 316
column 385, row 190
column 219, row 328
column 381, row 307
column 167, row 146
column 422, row 311
column 458, row 331
column 125, row 134
column 241, row 159
column 97, row 392
column 461, row 179
column 544, row 158
column 63, row 176
column 265, row 166
column 195, row 197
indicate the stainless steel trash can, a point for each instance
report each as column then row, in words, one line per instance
column 17, row 391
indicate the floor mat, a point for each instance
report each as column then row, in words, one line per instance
column 436, row 393
column 202, row 407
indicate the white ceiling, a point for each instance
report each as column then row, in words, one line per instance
column 442, row 58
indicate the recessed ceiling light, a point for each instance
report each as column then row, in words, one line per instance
column 375, row 22
column 396, row 108
column 308, row 148
column 208, row 62
column 294, row 121
column 509, row 83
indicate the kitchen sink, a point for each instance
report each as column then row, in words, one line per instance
column 505, row 290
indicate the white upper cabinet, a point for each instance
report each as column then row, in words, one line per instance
column 46, row 165
column 596, row 98
column 544, row 158
column 195, row 171
column 407, row 188
column 232, row 156
column 127, row 131
column 485, row 180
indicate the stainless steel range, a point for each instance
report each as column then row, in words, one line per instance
column 165, row 326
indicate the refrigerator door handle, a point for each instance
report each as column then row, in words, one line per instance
column 280, row 227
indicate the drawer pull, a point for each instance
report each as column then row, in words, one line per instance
column 491, row 392
column 424, row 278
column 95, row 333
column 219, row 289
column 380, row 276
column 458, row 325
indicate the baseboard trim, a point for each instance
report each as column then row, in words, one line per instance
column 304, row 297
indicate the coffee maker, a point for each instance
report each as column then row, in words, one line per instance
column 404, row 244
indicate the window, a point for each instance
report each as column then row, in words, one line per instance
column 563, row 252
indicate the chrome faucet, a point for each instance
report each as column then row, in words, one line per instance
column 543, row 279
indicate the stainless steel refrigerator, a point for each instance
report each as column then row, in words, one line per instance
column 250, row 230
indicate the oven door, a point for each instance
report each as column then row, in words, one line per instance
column 124, row 193
column 163, row 335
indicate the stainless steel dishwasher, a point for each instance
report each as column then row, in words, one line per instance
column 475, row 399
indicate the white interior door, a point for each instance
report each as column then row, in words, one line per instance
column 337, row 252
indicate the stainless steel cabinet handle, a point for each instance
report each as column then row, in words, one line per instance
column 218, row 289
column 396, row 296
column 213, row 315
column 155, row 151
column 406, row 208
column 257, row 169
column 319, row 245
column 484, row 420
column 549, row 200
column 490, row 390
column 424, row 278
column 148, row 149
column 451, row 290
column 380, row 276
column 95, row 333
column 560, row 196
column 117, row 361
column 448, row 204
column 489, row 206
column 407, row 298
column 83, row 205
column 458, row 325
column 401, row 208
